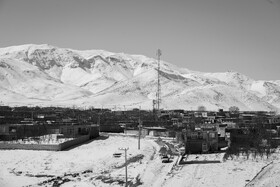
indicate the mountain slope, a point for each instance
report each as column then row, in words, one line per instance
column 48, row 75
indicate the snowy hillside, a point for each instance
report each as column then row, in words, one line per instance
column 47, row 75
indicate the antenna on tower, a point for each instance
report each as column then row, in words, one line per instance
column 158, row 84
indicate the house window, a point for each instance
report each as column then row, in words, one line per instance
column 194, row 136
column 2, row 129
column 200, row 135
column 212, row 135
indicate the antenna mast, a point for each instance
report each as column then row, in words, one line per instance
column 158, row 84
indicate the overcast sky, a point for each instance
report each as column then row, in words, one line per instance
column 201, row 35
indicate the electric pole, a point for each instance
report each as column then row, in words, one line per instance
column 140, row 127
column 125, row 157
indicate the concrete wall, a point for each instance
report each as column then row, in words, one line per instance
column 74, row 142
column 51, row 147
column 29, row 146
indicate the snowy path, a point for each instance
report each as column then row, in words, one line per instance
column 157, row 172
column 210, row 170
column 268, row 176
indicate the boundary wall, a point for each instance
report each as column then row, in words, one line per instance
column 47, row 147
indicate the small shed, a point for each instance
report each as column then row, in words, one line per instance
column 156, row 131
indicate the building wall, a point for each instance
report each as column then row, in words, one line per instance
column 77, row 130
column 193, row 146
column 94, row 132
column 15, row 131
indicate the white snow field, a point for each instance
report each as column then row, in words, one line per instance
column 93, row 164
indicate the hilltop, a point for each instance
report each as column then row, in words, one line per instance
column 47, row 75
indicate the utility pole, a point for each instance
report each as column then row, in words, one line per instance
column 32, row 116
column 125, row 157
column 140, row 127
column 98, row 121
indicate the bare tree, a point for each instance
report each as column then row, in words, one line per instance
column 201, row 108
column 233, row 109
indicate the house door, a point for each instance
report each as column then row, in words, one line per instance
column 204, row 147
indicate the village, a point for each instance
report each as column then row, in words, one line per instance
column 194, row 131
column 170, row 140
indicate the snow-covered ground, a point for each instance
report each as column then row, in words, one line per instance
column 93, row 164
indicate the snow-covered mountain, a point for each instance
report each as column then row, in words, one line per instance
column 48, row 75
